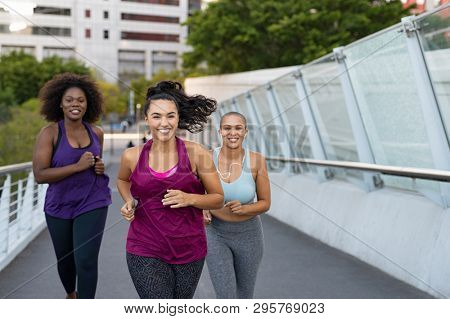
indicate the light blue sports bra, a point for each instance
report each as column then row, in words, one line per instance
column 242, row 189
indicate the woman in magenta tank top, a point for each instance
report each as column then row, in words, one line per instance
column 68, row 156
column 166, row 183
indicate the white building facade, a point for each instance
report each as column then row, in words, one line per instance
column 119, row 38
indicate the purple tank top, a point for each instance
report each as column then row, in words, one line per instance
column 173, row 235
column 81, row 192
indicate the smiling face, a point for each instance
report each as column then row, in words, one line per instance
column 74, row 103
column 162, row 119
column 233, row 131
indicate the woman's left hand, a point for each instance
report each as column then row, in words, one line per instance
column 99, row 166
column 177, row 199
column 236, row 207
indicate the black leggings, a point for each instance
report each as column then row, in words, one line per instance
column 155, row 279
column 77, row 244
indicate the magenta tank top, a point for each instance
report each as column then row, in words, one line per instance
column 173, row 235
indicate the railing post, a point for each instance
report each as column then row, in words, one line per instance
column 434, row 126
column 280, row 120
column 27, row 211
column 5, row 200
column 220, row 109
column 317, row 146
column 256, row 116
column 362, row 141
column 249, row 140
column 39, row 211
column 19, row 207
column 216, row 121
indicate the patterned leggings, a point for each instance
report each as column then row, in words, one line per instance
column 155, row 279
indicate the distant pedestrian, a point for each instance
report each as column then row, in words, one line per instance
column 165, row 184
column 235, row 237
column 68, row 156
column 124, row 126
column 130, row 144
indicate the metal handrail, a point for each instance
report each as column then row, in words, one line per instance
column 15, row 168
column 412, row 172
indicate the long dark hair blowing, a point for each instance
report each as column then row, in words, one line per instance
column 52, row 92
column 193, row 110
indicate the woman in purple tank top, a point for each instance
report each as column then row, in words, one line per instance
column 68, row 156
column 166, row 183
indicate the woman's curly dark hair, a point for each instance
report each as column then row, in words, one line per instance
column 52, row 92
column 192, row 110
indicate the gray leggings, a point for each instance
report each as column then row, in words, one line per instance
column 235, row 251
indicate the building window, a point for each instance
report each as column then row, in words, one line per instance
column 162, row 60
column 195, row 5
column 48, row 31
column 52, row 10
column 149, row 18
column 87, row 13
column 165, row 2
column 87, row 33
column 105, row 15
column 105, row 34
column 7, row 49
column 149, row 36
column 131, row 65
column 64, row 53
column 52, row 31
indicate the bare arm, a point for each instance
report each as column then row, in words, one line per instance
column 262, row 181
column 127, row 163
column 99, row 166
column 42, row 157
column 206, row 170
column 99, row 132
column 125, row 169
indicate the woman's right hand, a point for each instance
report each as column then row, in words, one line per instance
column 86, row 161
column 127, row 210
column 207, row 217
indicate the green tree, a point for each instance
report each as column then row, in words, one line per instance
column 6, row 101
column 21, row 75
column 114, row 100
column 237, row 35
column 53, row 65
column 17, row 136
column 141, row 84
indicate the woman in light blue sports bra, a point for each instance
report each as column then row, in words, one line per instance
column 234, row 233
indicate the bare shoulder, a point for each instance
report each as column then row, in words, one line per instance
column 257, row 156
column 49, row 132
column 97, row 130
column 50, row 128
column 257, row 160
column 131, row 154
column 195, row 148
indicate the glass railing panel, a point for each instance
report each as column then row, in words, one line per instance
column 226, row 107
column 326, row 98
column 289, row 104
column 434, row 35
column 272, row 133
column 254, row 139
column 297, row 131
column 384, row 85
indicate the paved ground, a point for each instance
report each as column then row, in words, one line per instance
column 294, row 266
